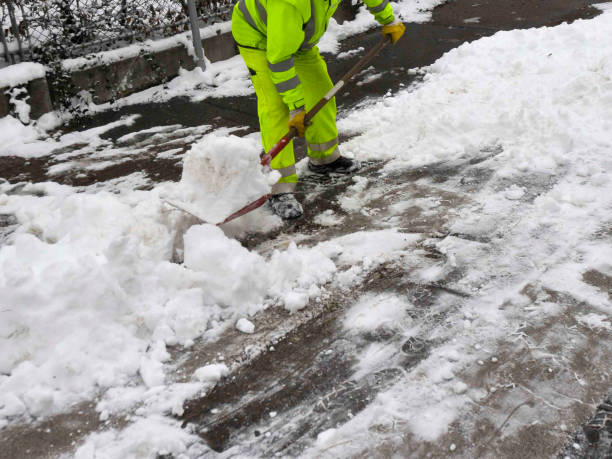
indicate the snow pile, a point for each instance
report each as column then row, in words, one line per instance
column 221, row 174
column 90, row 300
column 209, row 251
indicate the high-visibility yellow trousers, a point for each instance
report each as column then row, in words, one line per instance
column 321, row 135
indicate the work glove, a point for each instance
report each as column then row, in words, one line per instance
column 296, row 120
column 394, row 30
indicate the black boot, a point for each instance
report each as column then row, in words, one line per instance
column 286, row 206
column 342, row 165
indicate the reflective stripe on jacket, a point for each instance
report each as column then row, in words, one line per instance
column 284, row 27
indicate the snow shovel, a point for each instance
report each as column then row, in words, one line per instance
column 266, row 158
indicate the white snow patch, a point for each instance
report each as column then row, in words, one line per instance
column 146, row 438
column 514, row 192
column 593, row 320
column 19, row 74
column 373, row 358
column 372, row 312
column 31, row 141
column 328, row 218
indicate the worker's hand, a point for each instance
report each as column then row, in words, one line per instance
column 394, row 30
column 296, row 120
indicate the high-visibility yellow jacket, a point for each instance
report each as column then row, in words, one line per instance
column 285, row 27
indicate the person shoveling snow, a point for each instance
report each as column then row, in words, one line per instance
column 277, row 41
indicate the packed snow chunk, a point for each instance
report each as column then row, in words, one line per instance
column 211, row 373
column 328, row 218
column 221, row 174
column 230, row 272
column 294, row 301
column 245, row 326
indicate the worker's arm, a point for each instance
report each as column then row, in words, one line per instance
column 285, row 36
column 382, row 11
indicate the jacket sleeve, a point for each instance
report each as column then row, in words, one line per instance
column 381, row 10
column 285, row 36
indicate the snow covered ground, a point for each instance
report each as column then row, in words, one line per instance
column 99, row 284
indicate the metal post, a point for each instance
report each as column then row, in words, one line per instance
column 15, row 27
column 195, row 34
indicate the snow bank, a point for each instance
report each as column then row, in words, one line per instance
column 22, row 73
column 535, row 93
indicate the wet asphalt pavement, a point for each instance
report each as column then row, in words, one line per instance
column 307, row 376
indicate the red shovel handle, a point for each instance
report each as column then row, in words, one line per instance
column 267, row 158
column 246, row 209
